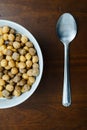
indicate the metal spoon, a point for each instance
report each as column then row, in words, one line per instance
column 66, row 31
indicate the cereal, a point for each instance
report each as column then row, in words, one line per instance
column 32, row 51
column 5, row 29
column 5, row 36
column 17, row 91
column 15, row 56
column 5, row 93
column 29, row 44
column 14, row 70
column 22, row 58
column 9, row 87
column 35, row 72
column 11, row 63
column 16, row 45
column 8, row 52
column 11, row 37
column 25, row 76
column 24, row 39
column 32, row 79
column 30, row 72
column 4, row 62
column 35, row 65
column 5, row 77
column 35, row 59
column 8, row 58
column 19, row 63
column 28, row 56
column 25, row 88
column 28, row 63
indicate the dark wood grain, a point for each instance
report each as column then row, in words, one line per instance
column 43, row 110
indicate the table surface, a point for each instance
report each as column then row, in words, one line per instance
column 44, row 110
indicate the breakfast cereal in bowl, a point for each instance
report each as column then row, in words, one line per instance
column 21, row 64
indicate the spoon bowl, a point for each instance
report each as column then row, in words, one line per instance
column 66, row 30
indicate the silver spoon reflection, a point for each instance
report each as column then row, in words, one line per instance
column 66, row 31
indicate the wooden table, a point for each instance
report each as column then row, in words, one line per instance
column 43, row 110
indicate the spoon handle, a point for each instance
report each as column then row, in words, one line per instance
column 66, row 99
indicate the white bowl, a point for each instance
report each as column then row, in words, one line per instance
column 7, row 103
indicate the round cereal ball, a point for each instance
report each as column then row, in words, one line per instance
column 11, row 37
column 32, row 51
column 35, row 65
column 21, row 65
column 32, row 79
column 28, row 56
column 8, row 58
column 7, row 67
column 14, row 70
column 35, row 72
column 2, row 82
column 30, row 72
column 22, row 58
column 2, row 48
column 4, row 62
column 12, row 31
column 25, row 88
column 25, row 76
column 5, row 36
column 29, row 44
column 29, row 63
column 5, row 77
column 35, row 59
column 1, row 41
column 24, row 39
column 9, row 52
column 5, row 29
column 16, row 56
column 11, row 63
column 16, row 45
column 17, row 91
column 22, row 51
column 9, row 87
column 5, row 93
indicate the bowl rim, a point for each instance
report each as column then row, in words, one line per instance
column 4, row 103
